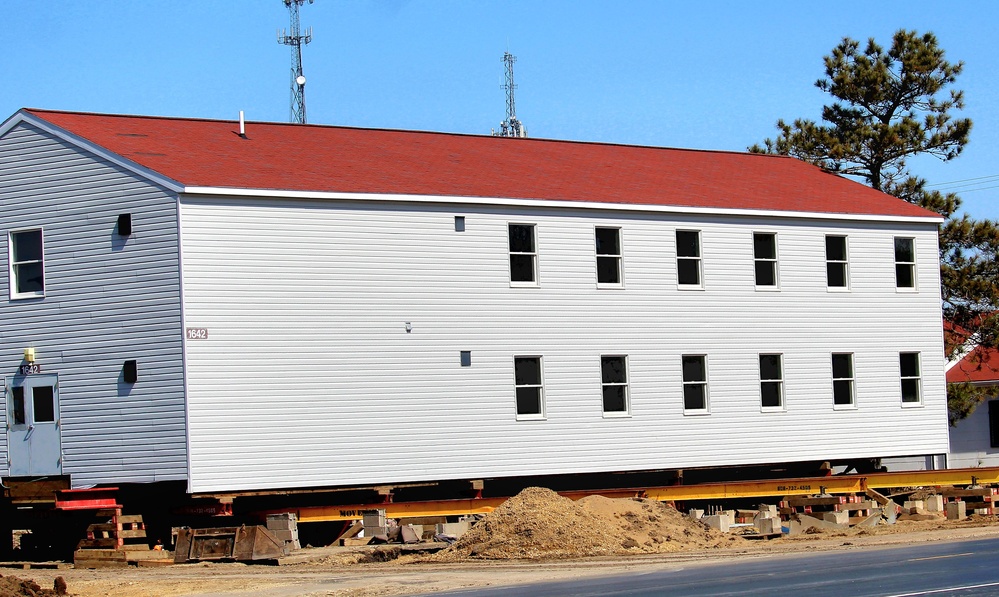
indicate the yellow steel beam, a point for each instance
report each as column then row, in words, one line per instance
column 704, row 491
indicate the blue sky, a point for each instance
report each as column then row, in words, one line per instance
column 705, row 75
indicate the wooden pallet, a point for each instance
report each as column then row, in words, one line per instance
column 113, row 543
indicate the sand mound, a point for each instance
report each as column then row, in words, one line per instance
column 11, row 586
column 540, row 524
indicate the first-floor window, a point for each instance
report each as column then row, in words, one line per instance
column 908, row 367
column 772, row 380
column 695, row 383
column 842, row 372
column 614, row 379
column 26, row 264
column 530, row 390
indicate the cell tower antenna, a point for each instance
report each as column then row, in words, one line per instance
column 511, row 127
column 296, row 39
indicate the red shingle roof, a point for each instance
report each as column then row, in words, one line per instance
column 979, row 365
column 310, row 158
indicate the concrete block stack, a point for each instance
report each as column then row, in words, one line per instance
column 285, row 527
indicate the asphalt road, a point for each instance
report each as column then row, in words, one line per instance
column 962, row 569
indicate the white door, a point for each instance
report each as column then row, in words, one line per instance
column 34, row 439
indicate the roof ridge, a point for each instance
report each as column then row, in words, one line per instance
column 404, row 131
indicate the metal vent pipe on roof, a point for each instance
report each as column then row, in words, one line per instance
column 242, row 125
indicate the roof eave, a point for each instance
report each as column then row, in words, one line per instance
column 553, row 203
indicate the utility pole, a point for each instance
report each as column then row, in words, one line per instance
column 296, row 39
column 511, row 127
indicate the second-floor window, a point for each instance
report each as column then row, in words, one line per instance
column 905, row 262
column 837, row 264
column 608, row 255
column 688, row 257
column 523, row 255
column 765, row 259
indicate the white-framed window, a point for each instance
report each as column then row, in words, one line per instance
column 843, row 382
column 614, row 383
column 529, row 387
column 765, row 259
column 27, row 267
column 608, row 242
column 905, row 263
column 772, row 381
column 688, row 258
column 695, row 383
column 912, row 383
column 837, row 263
column 523, row 255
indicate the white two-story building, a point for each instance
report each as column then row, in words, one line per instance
column 313, row 306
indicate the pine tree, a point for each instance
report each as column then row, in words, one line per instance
column 889, row 106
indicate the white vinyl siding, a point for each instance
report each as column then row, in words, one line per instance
column 107, row 299
column 308, row 362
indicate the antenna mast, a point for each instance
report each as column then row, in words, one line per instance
column 296, row 40
column 511, row 127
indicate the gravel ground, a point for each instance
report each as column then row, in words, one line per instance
column 592, row 537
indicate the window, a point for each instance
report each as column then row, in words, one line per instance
column 772, row 380
column 765, row 258
column 695, row 383
column 523, row 255
column 26, row 267
column 17, row 408
column 905, row 263
column 842, row 373
column 994, row 423
column 530, row 391
column 837, row 272
column 608, row 255
column 908, row 366
column 688, row 257
column 459, row 223
column 614, row 378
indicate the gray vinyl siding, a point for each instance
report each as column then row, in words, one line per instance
column 107, row 299
column 309, row 377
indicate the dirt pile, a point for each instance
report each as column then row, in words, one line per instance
column 11, row 586
column 540, row 524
